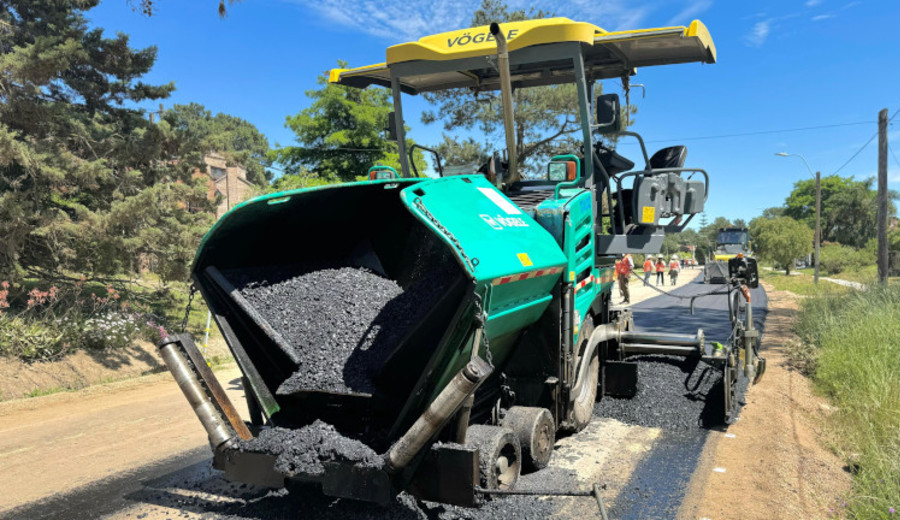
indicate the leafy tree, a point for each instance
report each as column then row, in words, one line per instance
column 781, row 240
column 302, row 178
column 678, row 242
column 463, row 151
column 848, row 208
column 740, row 223
column 710, row 232
column 148, row 7
column 775, row 211
column 546, row 118
column 853, row 213
column 84, row 180
column 341, row 134
column 192, row 131
column 801, row 203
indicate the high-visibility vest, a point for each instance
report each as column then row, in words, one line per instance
column 648, row 266
column 660, row 267
column 622, row 267
column 673, row 265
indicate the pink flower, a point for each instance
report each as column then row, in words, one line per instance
column 4, row 284
column 891, row 510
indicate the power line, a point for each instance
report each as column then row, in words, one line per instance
column 863, row 147
column 892, row 154
column 760, row 132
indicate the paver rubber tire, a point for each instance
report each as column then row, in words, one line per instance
column 536, row 431
column 499, row 455
column 583, row 407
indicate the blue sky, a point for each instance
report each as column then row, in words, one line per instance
column 781, row 65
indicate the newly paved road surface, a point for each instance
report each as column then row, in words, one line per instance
column 658, row 484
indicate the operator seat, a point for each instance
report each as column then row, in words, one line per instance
column 670, row 157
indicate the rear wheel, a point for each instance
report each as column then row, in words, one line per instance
column 536, row 431
column 499, row 455
column 583, row 406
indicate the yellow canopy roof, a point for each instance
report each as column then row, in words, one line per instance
column 607, row 54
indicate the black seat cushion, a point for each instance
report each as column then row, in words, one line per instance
column 671, row 157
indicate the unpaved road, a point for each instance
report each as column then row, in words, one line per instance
column 135, row 450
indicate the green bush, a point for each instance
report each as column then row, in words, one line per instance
column 857, row 336
column 30, row 339
column 42, row 325
column 837, row 258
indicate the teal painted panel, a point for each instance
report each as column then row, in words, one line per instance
column 511, row 319
column 492, row 236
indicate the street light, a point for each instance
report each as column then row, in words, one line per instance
column 818, row 237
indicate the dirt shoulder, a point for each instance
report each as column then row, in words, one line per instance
column 772, row 463
column 54, row 444
column 84, row 368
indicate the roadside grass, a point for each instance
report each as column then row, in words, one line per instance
column 41, row 392
column 801, row 284
column 856, row 339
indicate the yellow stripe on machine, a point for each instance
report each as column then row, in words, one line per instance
column 607, row 54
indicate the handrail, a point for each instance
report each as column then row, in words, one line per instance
column 437, row 157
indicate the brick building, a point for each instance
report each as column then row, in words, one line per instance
column 227, row 182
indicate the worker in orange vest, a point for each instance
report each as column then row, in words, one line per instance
column 673, row 269
column 648, row 270
column 624, row 266
column 660, row 270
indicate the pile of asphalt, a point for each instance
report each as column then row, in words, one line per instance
column 311, row 503
column 342, row 322
column 304, row 450
column 499, row 508
column 673, row 394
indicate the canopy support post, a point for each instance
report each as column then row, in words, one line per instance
column 398, row 122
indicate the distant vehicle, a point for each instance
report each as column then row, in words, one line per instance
column 730, row 242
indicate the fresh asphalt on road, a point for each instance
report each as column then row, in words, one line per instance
column 185, row 486
column 658, row 485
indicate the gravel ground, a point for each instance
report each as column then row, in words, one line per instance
column 342, row 323
column 303, row 450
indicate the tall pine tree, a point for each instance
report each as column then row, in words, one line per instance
column 85, row 184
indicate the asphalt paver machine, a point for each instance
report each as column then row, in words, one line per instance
column 521, row 338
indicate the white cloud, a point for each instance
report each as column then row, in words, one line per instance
column 820, row 17
column 691, row 10
column 758, row 34
column 813, row 3
column 393, row 20
column 407, row 20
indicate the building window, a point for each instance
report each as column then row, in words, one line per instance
column 216, row 173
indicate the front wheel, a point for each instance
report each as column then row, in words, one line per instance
column 583, row 406
column 499, row 455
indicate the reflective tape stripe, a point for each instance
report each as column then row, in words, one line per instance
column 526, row 276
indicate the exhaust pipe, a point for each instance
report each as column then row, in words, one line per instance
column 438, row 413
column 509, row 122
column 221, row 432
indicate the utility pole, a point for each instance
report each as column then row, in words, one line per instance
column 882, row 196
column 818, row 222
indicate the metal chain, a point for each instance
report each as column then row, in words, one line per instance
column 480, row 318
column 187, row 309
column 471, row 262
